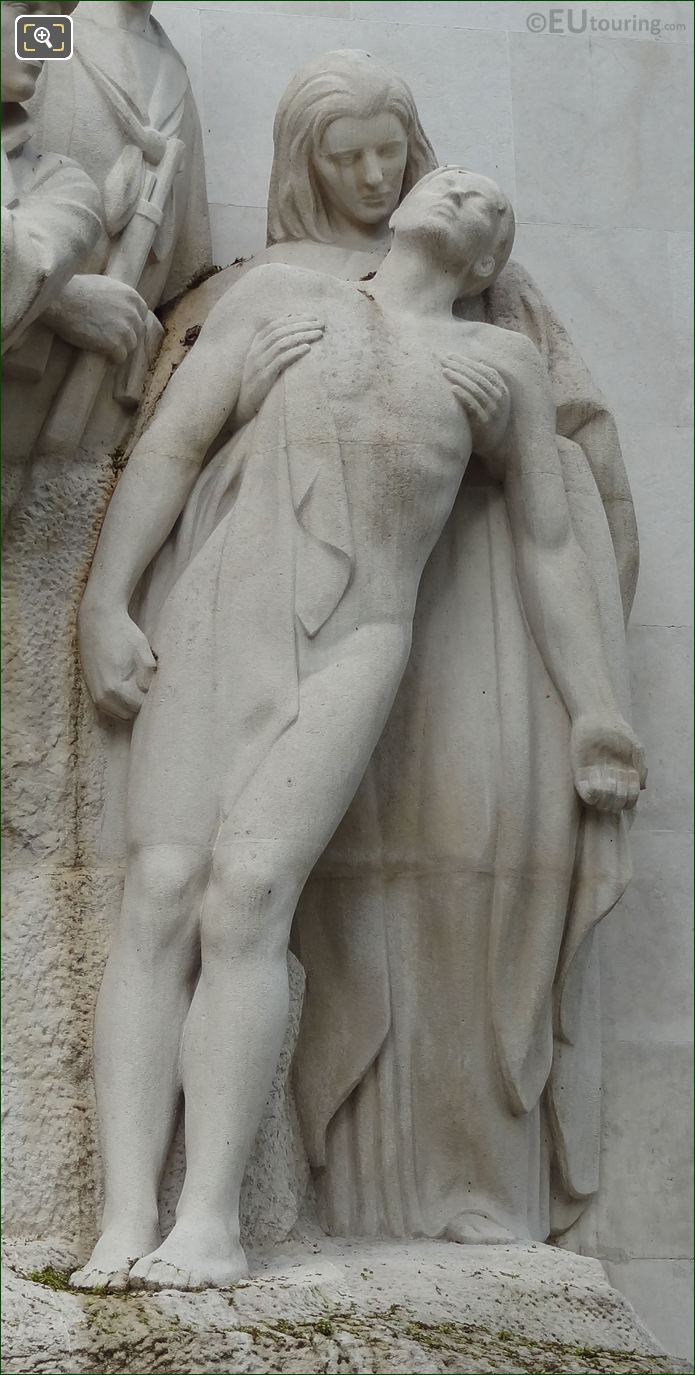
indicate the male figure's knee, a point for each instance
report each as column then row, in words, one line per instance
column 163, row 896
column 250, row 901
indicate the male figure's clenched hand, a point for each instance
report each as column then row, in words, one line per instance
column 607, row 763
column 117, row 661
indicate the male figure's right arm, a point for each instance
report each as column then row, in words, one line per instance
column 116, row 659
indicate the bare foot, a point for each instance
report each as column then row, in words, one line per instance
column 114, row 1254
column 197, row 1254
column 479, row 1229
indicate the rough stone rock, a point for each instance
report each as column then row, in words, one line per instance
column 324, row 1305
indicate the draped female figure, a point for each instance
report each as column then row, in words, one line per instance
column 449, row 1063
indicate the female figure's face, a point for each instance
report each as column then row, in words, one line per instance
column 360, row 165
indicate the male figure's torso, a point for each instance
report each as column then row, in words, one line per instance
column 405, row 438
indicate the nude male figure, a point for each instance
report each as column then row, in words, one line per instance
column 410, row 388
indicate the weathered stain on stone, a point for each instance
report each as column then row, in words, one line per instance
column 309, row 1308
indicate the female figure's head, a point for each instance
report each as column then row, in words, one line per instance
column 348, row 146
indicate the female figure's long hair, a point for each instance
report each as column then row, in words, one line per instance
column 349, row 83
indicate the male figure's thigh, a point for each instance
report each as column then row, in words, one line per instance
column 306, row 783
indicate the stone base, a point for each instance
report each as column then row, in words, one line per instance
column 324, row 1305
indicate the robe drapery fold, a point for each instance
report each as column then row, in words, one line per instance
column 265, row 539
column 451, row 1014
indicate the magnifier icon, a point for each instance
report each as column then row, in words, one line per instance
column 42, row 35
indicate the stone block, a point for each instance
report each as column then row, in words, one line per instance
column 645, row 1205
column 351, row 1306
column 630, row 100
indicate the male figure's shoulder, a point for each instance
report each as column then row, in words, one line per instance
column 512, row 348
column 270, row 276
column 495, row 342
column 268, row 289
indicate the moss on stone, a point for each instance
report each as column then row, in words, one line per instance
column 129, row 1332
column 50, row 1278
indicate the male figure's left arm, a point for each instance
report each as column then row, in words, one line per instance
column 558, row 591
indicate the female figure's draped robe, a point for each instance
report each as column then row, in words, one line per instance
column 449, row 1049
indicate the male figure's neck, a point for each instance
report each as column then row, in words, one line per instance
column 415, row 281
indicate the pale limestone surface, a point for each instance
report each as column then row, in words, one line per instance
column 672, row 19
column 60, row 893
column 561, row 180
column 317, row 1304
column 639, row 380
column 199, row 821
column 445, row 819
column 625, row 967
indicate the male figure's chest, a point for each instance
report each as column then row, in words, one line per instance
column 384, row 378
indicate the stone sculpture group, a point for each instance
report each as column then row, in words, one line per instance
column 357, row 609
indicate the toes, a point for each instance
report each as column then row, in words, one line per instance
column 118, row 1283
column 480, row 1229
column 162, row 1275
column 138, row 1274
column 99, row 1279
column 158, row 1274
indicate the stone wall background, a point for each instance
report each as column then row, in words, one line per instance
column 588, row 132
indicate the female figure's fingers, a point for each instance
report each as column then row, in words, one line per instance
column 494, row 388
column 488, row 403
column 291, row 356
column 470, row 403
column 307, row 336
column 277, row 331
column 474, row 366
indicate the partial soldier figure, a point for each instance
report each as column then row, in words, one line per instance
column 50, row 209
column 51, row 221
column 122, row 109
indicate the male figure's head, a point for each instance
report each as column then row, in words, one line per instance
column 461, row 221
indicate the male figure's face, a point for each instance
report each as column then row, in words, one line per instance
column 460, row 218
column 19, row 78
